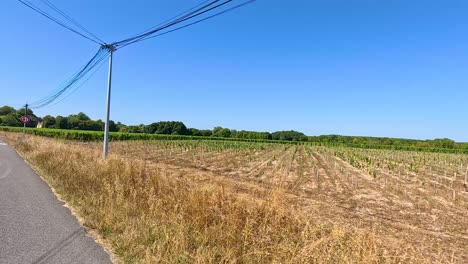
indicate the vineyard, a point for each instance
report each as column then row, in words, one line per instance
column 373, row 143
column 83, row 135
column 377, row 206
column 420, row 198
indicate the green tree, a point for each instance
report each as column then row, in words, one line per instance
column 200, row 133
column 444, row 143
column 33, row 118
column 61, row 122
column 48, row 121
column 167, row 128
column 82, row 116
column 112, row 126
column 121, row 127
column 221, row 132
column 289, row 136
column 5, row 110
column 22, row 111
column 92, row 125
column 10, row 120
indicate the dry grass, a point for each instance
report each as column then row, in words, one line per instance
column 152, row 212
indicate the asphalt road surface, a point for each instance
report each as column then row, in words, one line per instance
column 35, row 227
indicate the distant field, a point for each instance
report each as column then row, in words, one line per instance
column 245, row 202
column 83, row 135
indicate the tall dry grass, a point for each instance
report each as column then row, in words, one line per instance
column 149, row 215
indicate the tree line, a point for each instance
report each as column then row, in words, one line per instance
column 397, row 143
column 11, row 117
column 179, row 128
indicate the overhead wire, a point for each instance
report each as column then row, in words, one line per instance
column 43, row 13
column 200, row 11
column 69, row 18
column 73, row 83
column 172, row 18
column 97, row 68
column 191, row 24
column 176, row 18
column 52, row 98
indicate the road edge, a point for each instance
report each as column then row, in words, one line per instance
column 93, row 234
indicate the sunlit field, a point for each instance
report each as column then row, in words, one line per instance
column 200, row 201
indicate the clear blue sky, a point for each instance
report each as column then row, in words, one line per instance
column 379, row 68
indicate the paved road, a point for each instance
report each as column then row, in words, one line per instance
column 34, row 226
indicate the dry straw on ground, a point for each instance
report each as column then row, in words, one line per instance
column 197, row 204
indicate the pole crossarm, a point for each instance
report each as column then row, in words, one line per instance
column 109, row 47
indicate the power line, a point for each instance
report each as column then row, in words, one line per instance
column 191, row 24
column 96, row 62
column 97, row 68
column 70, row 84
column 200, row 11
column 67, row 17
column 73, row 81
column 43, row 13
column 173, row 18
column 60, row 88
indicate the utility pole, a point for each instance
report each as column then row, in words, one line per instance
column 25, row 114
column 162, row 29
column 111, row 50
